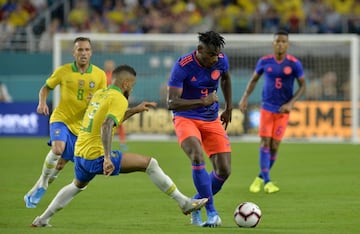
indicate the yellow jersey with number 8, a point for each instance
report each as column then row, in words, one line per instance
column 75, row 91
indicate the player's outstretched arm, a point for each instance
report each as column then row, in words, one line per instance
column 144, row 106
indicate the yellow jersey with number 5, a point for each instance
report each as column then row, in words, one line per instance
column 76, row 88
column 105, row 103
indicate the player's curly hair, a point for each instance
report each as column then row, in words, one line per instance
column 212, row 38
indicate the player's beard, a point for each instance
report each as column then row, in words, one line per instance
column 127, row 94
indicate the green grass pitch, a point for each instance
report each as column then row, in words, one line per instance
column 320, row 192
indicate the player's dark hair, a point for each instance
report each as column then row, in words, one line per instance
column 82, row 39
column 212, row 38
column 281, row 32
column 126, row 68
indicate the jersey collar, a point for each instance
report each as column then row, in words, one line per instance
column 115, row 87
column 75, row 69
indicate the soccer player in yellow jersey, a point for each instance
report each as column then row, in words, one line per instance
column 93, row 155
column 78, row 81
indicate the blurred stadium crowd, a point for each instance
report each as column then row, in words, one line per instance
column 177, row 16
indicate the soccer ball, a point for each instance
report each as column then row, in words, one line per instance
column 247, row 214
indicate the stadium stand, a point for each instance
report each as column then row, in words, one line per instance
column 28, row 25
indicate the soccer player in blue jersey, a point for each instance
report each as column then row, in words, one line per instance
column 78, row 81
column 192, row 97
column 280, row 71
column 93, row 155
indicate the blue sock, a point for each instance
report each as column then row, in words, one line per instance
column 217, row 182
column 272, row 159
column 265, row 163
column 203, row 185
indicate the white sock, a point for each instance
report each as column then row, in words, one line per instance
column 164, row 182
column 50, row 160
column 36, row 185
column 62, row 198
column 53, row 175
column 48, row 168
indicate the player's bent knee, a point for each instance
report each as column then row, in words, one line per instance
column 57, row 151
column 81, row 186
column 61, row 164
column 225, row 173
column 58, row 148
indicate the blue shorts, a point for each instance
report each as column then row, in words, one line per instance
column 85, row 170
column 60, row 132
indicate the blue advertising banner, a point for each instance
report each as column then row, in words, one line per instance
column 21, row 119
